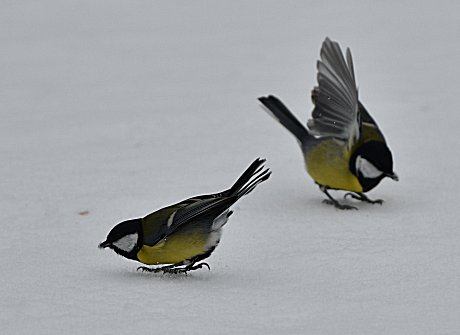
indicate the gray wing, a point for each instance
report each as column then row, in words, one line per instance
column 202, row 211
column 336, row 96
column 166, row 221
column 211, row 207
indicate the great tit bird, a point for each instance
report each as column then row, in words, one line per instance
column 343, row 147
column 183, row 234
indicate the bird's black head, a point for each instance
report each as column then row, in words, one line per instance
column 370, row 163
column 125, row 238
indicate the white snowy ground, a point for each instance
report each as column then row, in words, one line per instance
column 120, row 107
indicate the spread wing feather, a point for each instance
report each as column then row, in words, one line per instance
column 336, row 110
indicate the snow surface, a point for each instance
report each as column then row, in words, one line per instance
column 113, row 109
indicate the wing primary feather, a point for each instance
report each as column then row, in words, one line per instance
column 350, row 64
column 336, row 111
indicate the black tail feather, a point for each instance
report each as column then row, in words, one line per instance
column 243, row 179
column 281, row 113
column 254, row 175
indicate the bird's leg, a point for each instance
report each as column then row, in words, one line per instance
column 155, row 270
column 187, row 268
column 362, row 197
column 332, row 201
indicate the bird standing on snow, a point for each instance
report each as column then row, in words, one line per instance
column 185, row 233
column 343, row 147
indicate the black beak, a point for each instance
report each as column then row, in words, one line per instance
column 393, row 176
column 104, row 244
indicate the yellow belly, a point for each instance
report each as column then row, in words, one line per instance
column 327, row 164
column 176, row 248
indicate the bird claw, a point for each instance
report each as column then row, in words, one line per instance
column 362, row 197
column 349, row 194
column 332, row 201
column 338, row 205
column 146, row 269
column 186, row 269
column 199, row 266
column 174, row 270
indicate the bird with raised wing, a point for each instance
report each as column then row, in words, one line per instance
column 343, row 147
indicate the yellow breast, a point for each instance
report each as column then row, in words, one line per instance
column 174, row 249
column 327, row 163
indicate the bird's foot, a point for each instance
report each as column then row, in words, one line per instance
column 186, row 269
column 174, row 269
column 338, row 205
column 146, row 269
column 363, row 197
column 332, row 201
column 199, row 266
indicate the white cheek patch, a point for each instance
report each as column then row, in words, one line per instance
column 126, row 243
column 366, row 168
